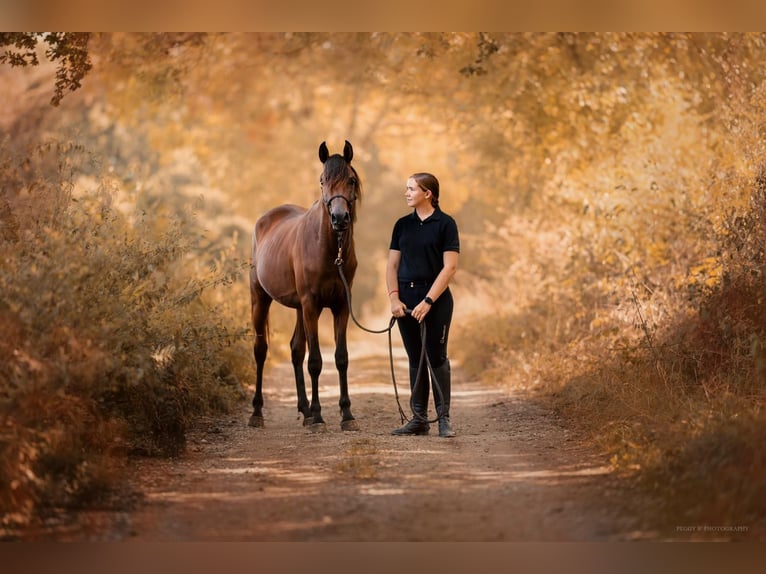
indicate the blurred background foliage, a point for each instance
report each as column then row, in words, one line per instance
column 610, row 193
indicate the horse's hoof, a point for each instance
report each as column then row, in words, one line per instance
column 317, row 427
column 255, row 421
column 349, row 425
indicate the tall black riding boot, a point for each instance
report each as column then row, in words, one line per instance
column 443, row 375
column 419, row 402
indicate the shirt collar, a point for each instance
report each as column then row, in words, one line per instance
column 435, row 216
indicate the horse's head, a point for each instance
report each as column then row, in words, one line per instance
column 341, row 188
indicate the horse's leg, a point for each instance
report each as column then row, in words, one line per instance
column 311, row 325
column 340, row 316
column 298, row 354
column 260, row 303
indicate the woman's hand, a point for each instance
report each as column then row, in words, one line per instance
column 420, row 311
column 397, row 307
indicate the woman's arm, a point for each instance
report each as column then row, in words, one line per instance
column 440, row 284
column 445, row 275
column 392, row 283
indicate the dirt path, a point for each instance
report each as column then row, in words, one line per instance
column 512, row 473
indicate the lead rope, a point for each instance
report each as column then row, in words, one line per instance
column 423, row 353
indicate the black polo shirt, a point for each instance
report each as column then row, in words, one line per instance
column 423, row 243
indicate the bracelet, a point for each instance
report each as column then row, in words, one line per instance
column 429, row 300
column 392, row 292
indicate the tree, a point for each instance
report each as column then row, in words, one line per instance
column 68, row 49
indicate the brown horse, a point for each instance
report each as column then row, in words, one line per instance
column 295, row 259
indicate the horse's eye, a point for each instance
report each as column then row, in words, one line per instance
column 352, row 181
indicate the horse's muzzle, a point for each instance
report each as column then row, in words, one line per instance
column 340, row 221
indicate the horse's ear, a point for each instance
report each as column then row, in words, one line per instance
column 323, row 152
column 348, row 152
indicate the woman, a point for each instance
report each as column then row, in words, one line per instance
column 422, row 260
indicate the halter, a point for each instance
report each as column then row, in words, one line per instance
column 327, row 202
column 349, row 202
column 350, row 205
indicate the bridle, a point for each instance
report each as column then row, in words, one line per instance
column 328, row 201
column 349, row 205
column 349, row 202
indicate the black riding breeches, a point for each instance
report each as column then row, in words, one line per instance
column 437, row 323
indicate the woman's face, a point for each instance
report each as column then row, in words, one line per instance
column 415, row 195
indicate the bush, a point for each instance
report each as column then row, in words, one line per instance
column 118, row 334
column 644, row 323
